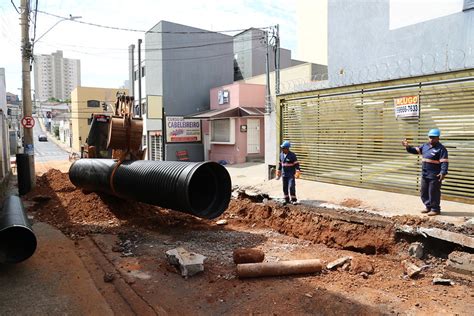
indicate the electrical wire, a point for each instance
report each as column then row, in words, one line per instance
column 16, row 8
column 36, row 15
column 159, row 48
column 167, row 59
column 143, row 31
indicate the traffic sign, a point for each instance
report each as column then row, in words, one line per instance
column 28, row 122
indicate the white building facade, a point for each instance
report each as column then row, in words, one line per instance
column 56, row 76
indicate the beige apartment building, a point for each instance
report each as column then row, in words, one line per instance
column 86, row 101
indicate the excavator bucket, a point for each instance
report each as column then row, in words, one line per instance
column 125, row 134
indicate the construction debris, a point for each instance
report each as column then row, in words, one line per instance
column 189, row 263
column 416, row 250
column 248, row 255
column 250, row 270
column 338, row 262
column 109, row 277
column 438, row 279
column 457, row 238
column 359, row 265
column 346, row 266
column 411, row 269
column 461, row 262
column 221, row 222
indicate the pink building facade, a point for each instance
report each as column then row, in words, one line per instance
column 233, row 129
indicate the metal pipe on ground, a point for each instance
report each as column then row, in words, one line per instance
column 17, row 240
column 202, row 189
column 253, row 270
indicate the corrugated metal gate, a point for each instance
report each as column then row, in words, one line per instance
column 353, row 138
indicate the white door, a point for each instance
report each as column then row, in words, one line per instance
column 253, row 136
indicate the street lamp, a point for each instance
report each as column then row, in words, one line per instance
column 71, row 18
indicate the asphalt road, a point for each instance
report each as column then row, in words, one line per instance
column 47, row 151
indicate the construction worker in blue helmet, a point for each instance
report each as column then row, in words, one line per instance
column 434, row 170
column 288, row 170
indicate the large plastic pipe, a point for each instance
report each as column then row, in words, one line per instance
column 17, row 240
column 202, row 189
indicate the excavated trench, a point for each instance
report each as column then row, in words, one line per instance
column 359, row 232
column 76, row 213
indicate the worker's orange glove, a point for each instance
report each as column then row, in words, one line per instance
column 297, row 174
column 278, row 173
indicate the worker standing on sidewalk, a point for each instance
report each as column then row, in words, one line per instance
column 434, row 170
column 289, row 170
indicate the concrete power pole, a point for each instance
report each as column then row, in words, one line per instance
column 26, row 51
column 277, row 60
column 268, row 97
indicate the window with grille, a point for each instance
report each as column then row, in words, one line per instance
column 156, row 147
column 223, row 131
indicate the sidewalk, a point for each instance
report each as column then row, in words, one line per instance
column 252, row 177
column 54, row 281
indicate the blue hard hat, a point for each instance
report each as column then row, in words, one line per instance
column 285, row 144
column 434, row 132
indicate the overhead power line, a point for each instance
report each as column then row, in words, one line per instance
column 144, row 31
column 16, row 8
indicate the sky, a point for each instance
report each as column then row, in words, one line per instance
column 104, row 53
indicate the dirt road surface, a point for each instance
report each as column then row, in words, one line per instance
column 123, row 246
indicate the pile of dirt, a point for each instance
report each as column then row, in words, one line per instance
column 57, row 201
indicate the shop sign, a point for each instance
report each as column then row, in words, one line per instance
column 180, row 130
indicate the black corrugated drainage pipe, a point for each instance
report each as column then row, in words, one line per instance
column 17, row 240
column 202, row 189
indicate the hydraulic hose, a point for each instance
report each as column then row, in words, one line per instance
column 202, row 189
column 17, row 240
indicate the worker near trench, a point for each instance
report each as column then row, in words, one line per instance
column 288, row 170
column 434, row 170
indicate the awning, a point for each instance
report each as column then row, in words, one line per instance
column 229, row 112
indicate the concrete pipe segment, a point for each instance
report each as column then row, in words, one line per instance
column 202, row 189
column 17, row 240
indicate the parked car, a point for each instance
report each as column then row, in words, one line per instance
column 42, row 138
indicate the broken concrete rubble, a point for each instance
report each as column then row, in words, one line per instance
column 416, row 250
column 338, row 262
column 411, row 269
column 221, row 222
column 189, row 263
column 438, row 279
column 457, row 238
column 461, row 262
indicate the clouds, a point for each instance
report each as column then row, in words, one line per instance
column 103, row 53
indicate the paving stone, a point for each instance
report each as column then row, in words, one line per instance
column 189, row 263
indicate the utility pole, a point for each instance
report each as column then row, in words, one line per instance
column 277, row 60
column 26, row 51
column 268, row 100
column 131, row 65
column 140, row 77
